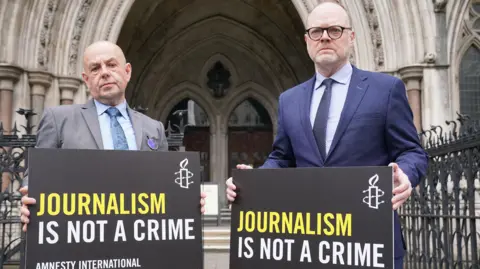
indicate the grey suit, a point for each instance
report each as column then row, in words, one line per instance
column 77, row 127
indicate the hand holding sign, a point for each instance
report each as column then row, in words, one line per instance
column 231, row 194
column 403, row 186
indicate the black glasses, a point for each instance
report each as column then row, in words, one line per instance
column 334, row 32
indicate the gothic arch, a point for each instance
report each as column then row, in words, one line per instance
column 271, row 59
column 249, row 90
column 159, row 80
column 459, row 44
column 182, row 91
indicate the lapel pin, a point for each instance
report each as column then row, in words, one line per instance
column 151, row 144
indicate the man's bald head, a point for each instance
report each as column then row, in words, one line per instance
column 101, row 48
column 106, row 72
column 329, row 37
column 329, row 7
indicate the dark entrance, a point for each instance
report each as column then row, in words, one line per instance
column 250, row 135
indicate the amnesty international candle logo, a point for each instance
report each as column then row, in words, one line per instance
column 373, row 193
column 94, row 213
column 184, row 175
column 313, row 219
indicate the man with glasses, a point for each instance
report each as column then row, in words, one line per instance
column 345, row 116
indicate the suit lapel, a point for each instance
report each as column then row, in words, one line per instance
column 137, row 126
column 304, row 103
column 356, row 91
column 89, row 113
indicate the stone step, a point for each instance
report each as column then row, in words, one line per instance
column 216, row 239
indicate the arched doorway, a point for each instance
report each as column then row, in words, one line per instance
column 197, row 131
column 249, row 134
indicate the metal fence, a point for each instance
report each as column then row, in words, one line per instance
column 441, row 220
column 14, row 145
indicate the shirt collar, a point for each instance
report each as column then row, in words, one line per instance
column 341, row 76
column 101, row 108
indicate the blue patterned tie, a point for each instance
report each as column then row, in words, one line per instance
column 320, row 125
column 118, row 136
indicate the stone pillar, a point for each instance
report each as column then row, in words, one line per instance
column 68, row 87
column 9, row 75
column 40, row 82
column 412, row 76
column 221, row 159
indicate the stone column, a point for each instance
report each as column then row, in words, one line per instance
column 40, row 82
column 412, row 76
column 68, row 87
column 9, row 75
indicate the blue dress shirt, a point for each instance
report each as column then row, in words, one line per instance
column 104, row 120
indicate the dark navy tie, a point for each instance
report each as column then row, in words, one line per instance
column 321, row 119
column 118, row 136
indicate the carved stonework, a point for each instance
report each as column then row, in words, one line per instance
column 77, row 34
column 375, row 34
column 430, row 58
column 218, row 80
column 112, row 21
column 48, row 18
column 439, row 5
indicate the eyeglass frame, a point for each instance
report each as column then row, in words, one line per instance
column 323, row 29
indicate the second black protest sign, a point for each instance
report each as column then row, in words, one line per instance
column 311, row 217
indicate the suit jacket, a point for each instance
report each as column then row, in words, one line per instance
column 376, row 128
column 77, row 127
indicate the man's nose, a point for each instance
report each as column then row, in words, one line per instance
column 325, row 37
column 104, row 71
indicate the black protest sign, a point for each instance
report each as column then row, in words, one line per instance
column 312, row 218
column 114, row 209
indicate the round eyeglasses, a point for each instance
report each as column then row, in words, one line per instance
column 334, row 32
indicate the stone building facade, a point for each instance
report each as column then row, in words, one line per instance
column 227, row 61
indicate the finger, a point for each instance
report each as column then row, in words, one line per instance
column 230, row 198
column 24, row 227
column 203, row 194
column 28, row 200
column 243, row 166
column 24, row 211
column 230, row 184
column 24, row 190
column 401, row 188
column 24, row 219
column 231, row 193
column 202, row 202
column 401, row 197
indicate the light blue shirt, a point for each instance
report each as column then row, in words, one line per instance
column 339, row 94
column 104, row 120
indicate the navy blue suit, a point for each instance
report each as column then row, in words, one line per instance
column 376, row 128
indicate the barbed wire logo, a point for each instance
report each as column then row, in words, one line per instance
column 373, row 193
column 184, row 175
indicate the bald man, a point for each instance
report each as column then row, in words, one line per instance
column 345, row 116
column 88, row 126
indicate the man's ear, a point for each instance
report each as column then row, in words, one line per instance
column 84, row 77
column 128, row 70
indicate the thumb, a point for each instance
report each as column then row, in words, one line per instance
column 395, row 167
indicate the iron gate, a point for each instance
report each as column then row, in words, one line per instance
column 441, row 220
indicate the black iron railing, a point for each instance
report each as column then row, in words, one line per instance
column 441, row 220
